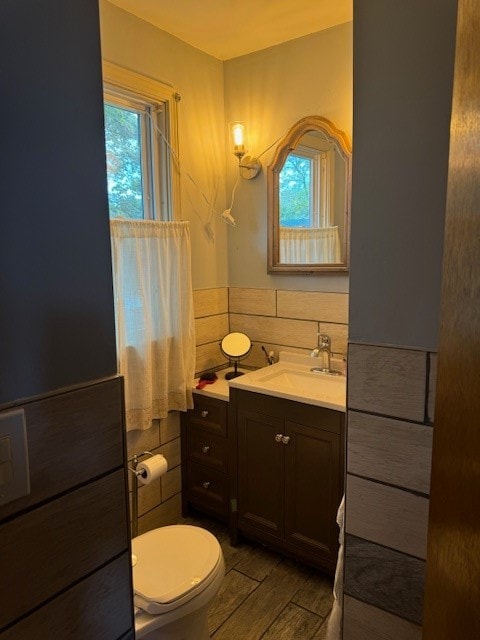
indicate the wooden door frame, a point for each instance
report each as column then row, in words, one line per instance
column 452, row 596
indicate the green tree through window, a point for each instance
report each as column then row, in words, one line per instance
column 295, row 182
column 123, row 141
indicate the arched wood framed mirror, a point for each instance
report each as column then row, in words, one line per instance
column 309, row 187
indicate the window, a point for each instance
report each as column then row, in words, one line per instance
column 140, row 124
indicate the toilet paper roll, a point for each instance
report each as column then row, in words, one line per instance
column 152, row 468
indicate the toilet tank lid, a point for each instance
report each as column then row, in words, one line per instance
column 173, row 560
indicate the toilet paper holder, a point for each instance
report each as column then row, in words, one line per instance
column 135, row 460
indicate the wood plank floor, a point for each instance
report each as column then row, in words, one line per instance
column 265, row 595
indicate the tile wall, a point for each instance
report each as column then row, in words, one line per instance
column 159, row 503
column 211, row 325
column 291, row 320
column 274, row 318
column 390, row 418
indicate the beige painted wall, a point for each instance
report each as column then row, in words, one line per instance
column 137, row 45
column 270, row 90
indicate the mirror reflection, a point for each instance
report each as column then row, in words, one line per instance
column 309, row 199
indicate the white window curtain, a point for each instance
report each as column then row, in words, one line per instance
column 154, row 317
column 309, row 246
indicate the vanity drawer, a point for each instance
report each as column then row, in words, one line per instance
column 206, row 448
column 209, row 413
column 207, row 488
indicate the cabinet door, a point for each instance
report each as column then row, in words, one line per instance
column 312, row 479
column 261, row 467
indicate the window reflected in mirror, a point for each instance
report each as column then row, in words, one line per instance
column 309, row 182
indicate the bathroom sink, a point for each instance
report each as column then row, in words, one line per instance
column 292, row 378
column 295, row 379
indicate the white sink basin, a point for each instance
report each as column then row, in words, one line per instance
column 293, row 379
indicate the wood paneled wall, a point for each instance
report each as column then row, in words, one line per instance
column 453, row 559
column 389, row 449
column 67, row 542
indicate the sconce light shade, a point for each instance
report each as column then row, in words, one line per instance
column 249, row 167
column 238, row 138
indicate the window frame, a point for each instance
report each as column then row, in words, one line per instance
column 126, row 86
column 317, row 185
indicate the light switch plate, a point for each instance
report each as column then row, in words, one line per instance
column 5, row 449
column 13, row 439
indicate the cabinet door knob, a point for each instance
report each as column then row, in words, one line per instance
column 278, row 437
column 206, row 485
column 285, row 439
column 204, row 413
column 205, row 448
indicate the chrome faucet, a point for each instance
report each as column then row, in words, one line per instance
column 323, row 350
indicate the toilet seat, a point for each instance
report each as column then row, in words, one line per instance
column 174, row 564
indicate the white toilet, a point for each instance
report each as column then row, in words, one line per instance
column 177, row 571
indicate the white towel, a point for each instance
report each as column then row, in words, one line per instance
column 334, row 629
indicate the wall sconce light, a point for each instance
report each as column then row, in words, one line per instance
column 249, row 167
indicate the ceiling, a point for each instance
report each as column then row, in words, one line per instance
column 229, row 28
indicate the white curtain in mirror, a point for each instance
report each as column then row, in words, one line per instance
column 154, row 317
column 309, row 245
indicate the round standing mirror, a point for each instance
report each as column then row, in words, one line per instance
column 235, row 346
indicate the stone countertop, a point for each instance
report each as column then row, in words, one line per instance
column 321, row 390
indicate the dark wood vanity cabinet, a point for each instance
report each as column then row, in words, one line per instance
column 290, row 475
column 270, row 468
column 205, row 457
